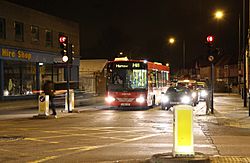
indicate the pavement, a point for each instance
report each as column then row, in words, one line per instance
column 229, row 112
column 29, row 108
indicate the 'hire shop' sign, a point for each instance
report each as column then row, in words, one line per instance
column 18, row 54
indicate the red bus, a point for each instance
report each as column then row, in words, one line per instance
column 135, row 83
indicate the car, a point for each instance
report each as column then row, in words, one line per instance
column 192, row 85
column 202, row 90
column 176, row 95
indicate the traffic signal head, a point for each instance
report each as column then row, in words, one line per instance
column 63, row 41
column 210, row 39
column 71, row 53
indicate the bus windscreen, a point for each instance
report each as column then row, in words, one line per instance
column 127, row 78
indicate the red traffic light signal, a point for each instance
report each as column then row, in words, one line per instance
column 62, row 39
column 210, row 39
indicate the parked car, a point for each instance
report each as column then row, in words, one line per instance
column 176, row 95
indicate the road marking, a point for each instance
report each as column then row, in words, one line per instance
column 87, row 148
column 5, row 150
column 83, row 148
column 39, row 140
column 44, row 159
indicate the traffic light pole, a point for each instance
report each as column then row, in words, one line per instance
column 68, row 87
column 64, row 46
column 212, row 88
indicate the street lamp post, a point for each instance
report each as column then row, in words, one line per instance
column 172, row 41
column 184, row 53
column 244, row 55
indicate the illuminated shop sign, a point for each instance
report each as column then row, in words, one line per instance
column 17, row 54
column 129, row 65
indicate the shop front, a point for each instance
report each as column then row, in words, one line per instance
column 23, row 72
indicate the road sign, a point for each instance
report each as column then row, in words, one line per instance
column 211, row 58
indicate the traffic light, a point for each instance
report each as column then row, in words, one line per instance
column 63, row 41
column 71, row 53
column 210, row 40
column 210, row 45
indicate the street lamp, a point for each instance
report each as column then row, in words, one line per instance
column 219, row 14
column 171, row 40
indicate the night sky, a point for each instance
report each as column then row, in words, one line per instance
column 140, row 28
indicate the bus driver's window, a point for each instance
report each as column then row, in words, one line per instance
column 117, row 80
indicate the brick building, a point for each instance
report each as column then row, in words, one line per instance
column 92, row 77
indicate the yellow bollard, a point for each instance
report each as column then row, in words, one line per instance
column 43, row 102
column 183, row 131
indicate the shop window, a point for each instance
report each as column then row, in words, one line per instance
column 48, row 38
column 18, row 31
column 50, row 72
column 19, row 78
column 2, row 28
column 34, row 33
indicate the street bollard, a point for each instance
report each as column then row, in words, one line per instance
column 183, row 131
column 71, row 101
column 43, row 102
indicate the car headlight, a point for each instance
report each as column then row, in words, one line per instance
column 165, row 99
column 109, row 99
column 185, row 99
column 140, row 99
column 204, row 93
column 194, row 94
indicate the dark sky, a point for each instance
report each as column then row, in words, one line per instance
column 139, row 28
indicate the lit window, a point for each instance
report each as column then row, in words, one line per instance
column 34, row 33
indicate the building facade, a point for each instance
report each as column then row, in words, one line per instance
column 92, row 75
column 29, row 50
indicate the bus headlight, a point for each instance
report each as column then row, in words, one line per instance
column 185, row 99
column 109, row 99
column 140, row 99
column 165, row 99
